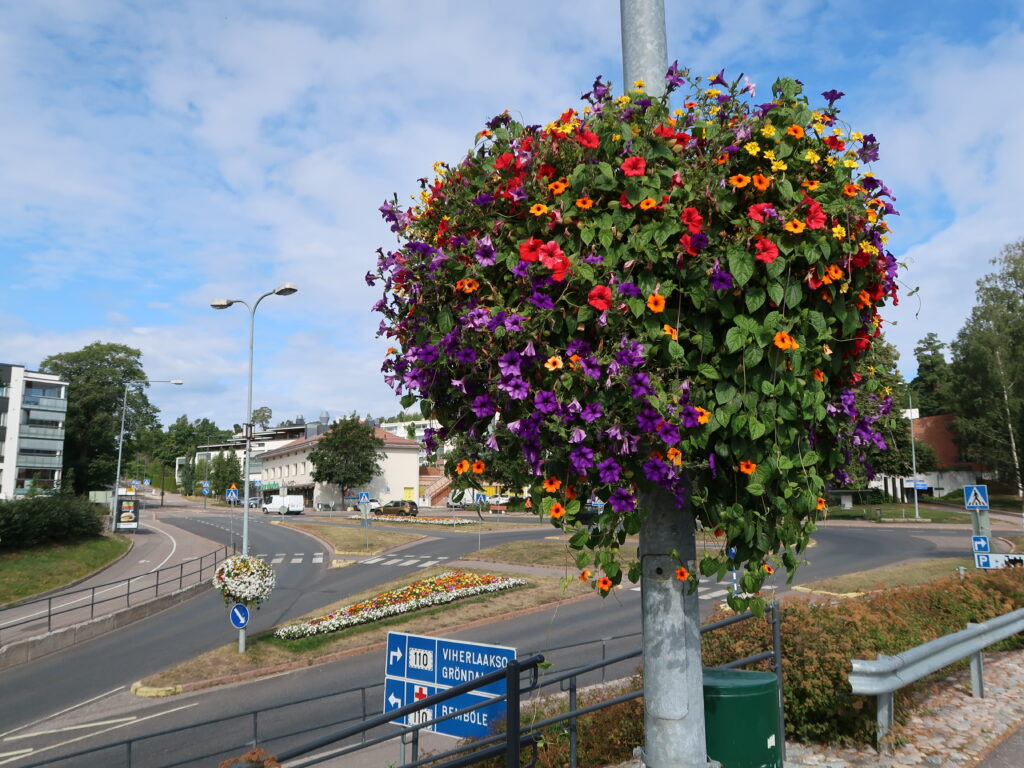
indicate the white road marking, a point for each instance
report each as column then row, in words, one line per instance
column 428, row 563
column 174, row 547
column 16, row 752
column 410, row 562
column 716, row 593
column 276, row 560
column 63, row 711
column 374, row 560
column 392, row 562
column 78, row 727
column 297, row 559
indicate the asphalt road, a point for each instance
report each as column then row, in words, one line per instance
column 98, row 668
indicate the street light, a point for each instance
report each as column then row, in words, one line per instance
column 120, row 440
column 285, row 289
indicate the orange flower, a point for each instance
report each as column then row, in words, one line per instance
column 703, row 416
column 585, row 203
column 719, row 532
column 462, row 467
column 818, row 375
column 821, row 503
column 761, row 182
column 675, row 456
column 574, row 362
column 538, row 209
column 682, row 574
column 552, row 484
column 557, row 511
column 669, row 331
column 558, row 187
column 784, row 341
column 795, row 131
column 470, row 285
column 795, row 226
column 554, row 363
column 863, row 300
column 604, row 584
column 810, row 184
column 479, row 467
column 834, row 272
column 460, row 285
column 850, row 190
column 747, row 467
column 739, row 180
column 570, row 492
column 656, row 303
column 585, row 574
column 392, row 350
column 722, row 159
column 768, row 569
column 647, row 203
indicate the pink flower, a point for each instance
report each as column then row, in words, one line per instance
column 552, row 257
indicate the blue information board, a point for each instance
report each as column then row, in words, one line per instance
column 417, row 666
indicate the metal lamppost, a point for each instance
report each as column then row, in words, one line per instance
column 285, row 289
column 120, row 439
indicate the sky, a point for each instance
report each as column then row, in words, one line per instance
column 157, row 156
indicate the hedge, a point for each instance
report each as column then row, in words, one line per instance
column 47, row 519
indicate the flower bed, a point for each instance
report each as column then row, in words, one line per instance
column 445, row 588
column 244, row 579
column 422, row 520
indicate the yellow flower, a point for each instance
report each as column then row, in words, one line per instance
column 866, row 246
column 826, row 350
column 616, row 137
column 554, row 363
column 752, row 147
column 622, row 101
column 713, row 92
column 817, row 117
column 819, row 127
column 769, row 154
column 778, row 165
column 844, row 287
column 635, row 130
column 830, row 161
column 678, row 112
column 795, row 226
column 768, row 131
column 838, row 232
column 669, row 331
column 837, row 131
column 850, row 163
column 857, row 136
column 715, row 109
column 811, row 156
column 639, row 85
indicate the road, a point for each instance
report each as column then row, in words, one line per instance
column 105, row 667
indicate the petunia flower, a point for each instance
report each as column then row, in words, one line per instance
column 767, row 251
column 634, row 166
column 529, row 250
column 720, row 280
column 691, row 217
column 600, row 298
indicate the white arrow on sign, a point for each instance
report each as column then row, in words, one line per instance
column 394, row 701
column 395, row 655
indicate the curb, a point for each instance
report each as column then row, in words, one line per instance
column 823, row 593
column 153, row 692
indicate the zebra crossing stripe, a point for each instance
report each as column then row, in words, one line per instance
column 374, row 560
column 428, row 563
column 410, row 562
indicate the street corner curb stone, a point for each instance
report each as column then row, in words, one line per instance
column 154, row 692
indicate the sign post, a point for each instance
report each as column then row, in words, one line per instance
column 364, row 507
column 976, row 502
column 416, row 667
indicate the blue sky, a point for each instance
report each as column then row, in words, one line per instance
column 156, row 156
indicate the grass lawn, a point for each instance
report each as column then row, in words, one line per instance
column 263, row 650
column 899, row 512
column 907, row 574
column 31, row 571
column 353, row 541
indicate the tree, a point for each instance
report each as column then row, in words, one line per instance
column 931, row 385
column 96, row 376
column 347, row 455
column 261, row 416
column 988, row 370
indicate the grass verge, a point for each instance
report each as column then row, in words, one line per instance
column 263, row 650
column 899, row 512
column 39, row 569
column 353, row 541
column 907, row 574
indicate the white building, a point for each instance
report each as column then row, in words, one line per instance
column 415, row 430
column 288, row 470
column 33, row 407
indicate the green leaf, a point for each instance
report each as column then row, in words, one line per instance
column 586, row 312
column 675, row 351
column 585, row 271
column 768, row 388
column 754, row 298
column 578, row 540
column 755, row 489
column 776, row 268
column 408, row 400
column 724, row 392
column 786, row 190
column 794, row 294
column 587, row 235
column 741, row 265
column 735, row 338
column 817, row 321
column 606, row 170
column 444, row 320
column 426, row 406
column 748, row 324
column 776, row 293
column 708, row 371
column 757, row 429
column 752, row 355
column 605, row 238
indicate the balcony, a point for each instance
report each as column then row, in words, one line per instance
column 3, row 392
column 46, row 403
column 52, row 433
column 29, row 461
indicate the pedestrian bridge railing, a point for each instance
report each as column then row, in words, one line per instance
column 883, row 676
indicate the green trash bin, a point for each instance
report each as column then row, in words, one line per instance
column 741, row 718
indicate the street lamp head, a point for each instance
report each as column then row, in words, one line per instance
column 221, row 303
column 285, row 289
column 177, row 382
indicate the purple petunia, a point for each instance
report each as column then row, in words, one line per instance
column 593, row 258
column 832, row 96
column 521, row 269
column 629, row 289
column 581, row 458
column 640, row 384
column 720, row 280
column 622, row 500
column 656, row 470
column 509, row 363
column 648, row 419
column 541, row 301
column 609, row 471
column 690, row 416
column 545, row 402
column 591, row 411
column 670, row 434
column 484, row 198
column 483, row 406
column 485, row 253
column 516, row 388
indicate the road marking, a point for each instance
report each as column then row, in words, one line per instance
column 318, row 558
column 374, row 560
column 716, row 593
column 428, row 563
column 97, row 733
column 78, row 727
column 281, row 554
column 63, row 711
column 410, row 562
column 16, row 752
column 174, row 547
column 297, row 559
column 392, row 562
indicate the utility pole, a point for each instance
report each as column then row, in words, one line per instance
column 913, row 452
column 673, row 679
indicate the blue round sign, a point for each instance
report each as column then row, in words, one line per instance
column 239, row 616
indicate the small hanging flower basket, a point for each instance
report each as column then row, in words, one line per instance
column 244, row 579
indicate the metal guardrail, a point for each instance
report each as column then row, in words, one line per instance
column 85, row 601
column 883, row 676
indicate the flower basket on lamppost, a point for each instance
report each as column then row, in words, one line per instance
column 244, row 579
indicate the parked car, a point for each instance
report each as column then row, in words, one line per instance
column 406, row 508
column 500, row 498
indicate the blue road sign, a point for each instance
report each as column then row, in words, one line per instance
column 982, row 561
column 231, row 494
column 416, row 666
column 976, row 496
column 206, row 491
column 239, row 616
column 481, row 498
column 980, row 544
column 364, row 497
column 206, row 483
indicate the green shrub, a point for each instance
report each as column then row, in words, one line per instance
column 44, row 519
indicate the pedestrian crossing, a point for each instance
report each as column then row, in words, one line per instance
column 715, row 594
column 424, row 561
column 295, row 558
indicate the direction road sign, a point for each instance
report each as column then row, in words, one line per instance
column 231, row 494
column 979, row 544
column 206, row 491
column 976, row 496
column 364, row 497
column 239, row 616
column 417, row 666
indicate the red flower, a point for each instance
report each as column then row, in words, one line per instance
column 634, row 166
column 664, row 131
column 834, row 143
column 501, row 162
column 685, row 241
column 588, row 138
column 600, row 298
column 692, row 219
column 546, row 171
column 815, row 218
column 624, row 202
column 552, row 257
column 767, row 251
column 530, row 249
column 759, row 210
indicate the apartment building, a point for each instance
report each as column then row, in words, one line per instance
column 33, row 407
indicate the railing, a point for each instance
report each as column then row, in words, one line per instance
column 32, row 460
column 182, row 746
column 81, row 604
column 28, row 430
column 45, row 403
column 885, row 675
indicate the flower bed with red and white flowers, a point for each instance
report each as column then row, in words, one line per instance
column 421, row 520
column 444, row 588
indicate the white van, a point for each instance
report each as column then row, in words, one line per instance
column 284, row 505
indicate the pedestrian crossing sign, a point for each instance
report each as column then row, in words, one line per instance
column 976, row 496
column 231, row 494
column 364, row 497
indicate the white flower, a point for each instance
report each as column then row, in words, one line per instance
column 244, row 579
column 453, row 521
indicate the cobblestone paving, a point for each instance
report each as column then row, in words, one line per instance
column 950, row 728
